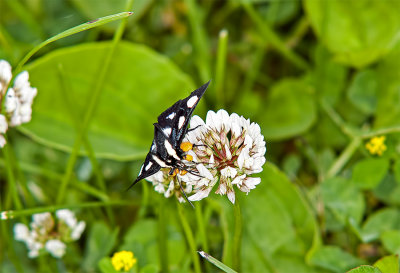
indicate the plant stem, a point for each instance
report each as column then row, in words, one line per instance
column 162, row 236
column 189, row 237
column 10, row 214
column 237, row 236
column 202, row 229
column 220, row 67
column 11, row 176
column 344, row 157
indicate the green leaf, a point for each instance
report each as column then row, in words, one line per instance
column 365, row 269
column 142, row 240
column 396, row 170
column 140, row 84
column 289, row 110
column 343, row 199
column 150, row 268
column 388, row 264
column 357, row 32
column 96, row 245
column 105, row 266
column 291, row 227
column 391, row 241
column 369, row 172
column 335, row 259
column 363, row 91
column 379, row 222
column 217, row 263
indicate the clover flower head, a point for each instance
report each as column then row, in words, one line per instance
column 227, row 149
column 123, row 260
column 376, row 145
column 49, row 234
column 18, row 99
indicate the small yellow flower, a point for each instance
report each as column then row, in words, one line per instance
column 376, row 145
column 123, row 260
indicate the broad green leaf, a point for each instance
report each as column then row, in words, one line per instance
column 379, row 222
column 96, row 245
column 369, row 172
column 335, row 259
column 388, row 191
column 139, row 85
column 388, row 264
column 363, row 91
column 365, row 269
column 396, row 170
column 279, row 12
column 105, row 266
column 142, row 240
column 289, row 110
column 150, row 268
column 391, row 241
column 278, row 220
column 357, row 32
column 388, row 110
column 343, row 199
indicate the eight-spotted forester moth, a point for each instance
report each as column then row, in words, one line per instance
column 169, row 132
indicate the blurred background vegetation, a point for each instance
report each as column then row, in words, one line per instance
column 320, row 77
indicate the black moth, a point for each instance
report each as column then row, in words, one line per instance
column 169, row 132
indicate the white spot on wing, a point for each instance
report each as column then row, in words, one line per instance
column 170, row 150
column 153, row 147
column 159, row 161
column 171, row 116
column 167, row 131
column 141, row 169
column 181, row 122
column 192, row 101
column 148, row 166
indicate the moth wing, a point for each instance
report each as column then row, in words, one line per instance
column 149, row 168
column 175, row 120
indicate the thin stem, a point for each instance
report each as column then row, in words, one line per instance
column 202, row 229
column 189, row 237
column 237, row 236
column 11, row 176
column 344, row 157
column 273, row 38
column 383, row 131
column 200, row 41
column 71, row 31
column 337, row 119
column 162, row 236
column 99, row 83
column 10, row 214
column 220, row 67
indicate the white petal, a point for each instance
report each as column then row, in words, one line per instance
column 251, row 182
column 225, row 120
column 5, row 71
column 21, row 80
column 228, row 152
column 211, row 161
column 228, row 172
column 200, row 194
column 3, row 124
column 238, row 180
column 203, row 171
column 231, row 196
column 67, row 216
column 56, row 248
column 170, row 189
column 21, row 232
column 159, row 187
column 236, row 129
column 78, row 230
column 2, row 143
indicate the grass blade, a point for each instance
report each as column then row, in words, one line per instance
column 217, row 263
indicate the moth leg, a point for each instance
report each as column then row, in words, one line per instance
column 192, row 129
column 184, row 194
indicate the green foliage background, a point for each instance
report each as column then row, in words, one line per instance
column 320, row 77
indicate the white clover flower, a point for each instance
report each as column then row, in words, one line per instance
column 56, row 248
column 3, row 124
column 228, row 147
column 48, row 235
column 18, row 99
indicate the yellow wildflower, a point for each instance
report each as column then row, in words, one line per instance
column 376, row 145
column 123, row 260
